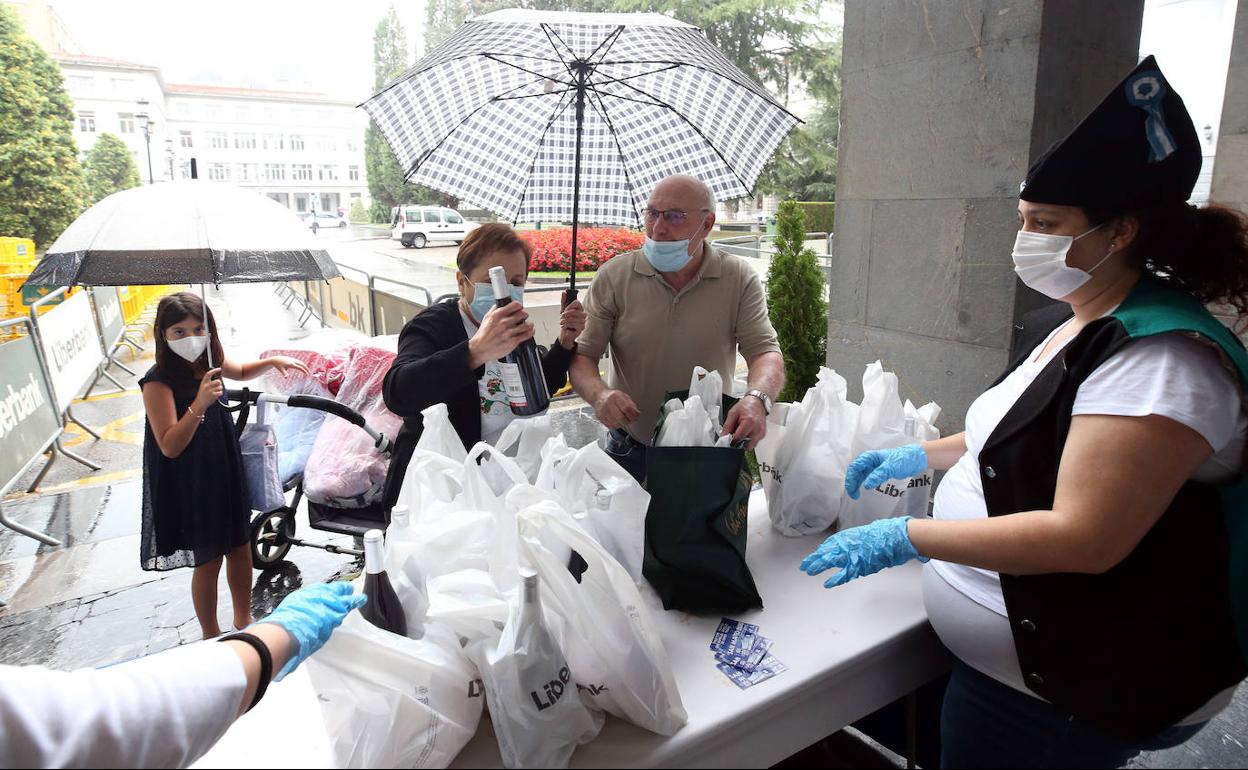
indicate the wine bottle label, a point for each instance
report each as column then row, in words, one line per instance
column 514, row 385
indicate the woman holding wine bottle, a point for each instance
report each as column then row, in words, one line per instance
column 476, row 353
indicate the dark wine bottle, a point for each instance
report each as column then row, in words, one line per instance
column 382, row 609
column 522, row 367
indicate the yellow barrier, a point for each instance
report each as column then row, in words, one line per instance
column 17, row 255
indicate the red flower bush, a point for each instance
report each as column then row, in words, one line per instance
column 552, row 249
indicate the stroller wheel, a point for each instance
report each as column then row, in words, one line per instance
column 270, row 537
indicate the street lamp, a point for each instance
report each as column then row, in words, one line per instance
column 142, row 117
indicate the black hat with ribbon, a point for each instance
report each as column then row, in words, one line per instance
column 1137, row 149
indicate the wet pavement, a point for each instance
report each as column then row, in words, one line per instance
column 87, row 603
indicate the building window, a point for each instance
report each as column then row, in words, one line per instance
column 351, row 145
column 126, row 122
column 274, row 142
column 301, row 172
column 213, row 111
column 218, row 172
column 272, row 114
column 242, row 113
column 218, row 140
column 86, row 122
column 80, row 83
column 182, row 110
column 353, row 173
column 244, row 141
column 275, row 172
column 328, row 173
column 185, row 139
column 296, row 142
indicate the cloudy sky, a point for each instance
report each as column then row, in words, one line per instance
column 320, row 45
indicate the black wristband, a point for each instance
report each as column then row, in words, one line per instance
column 266, row 662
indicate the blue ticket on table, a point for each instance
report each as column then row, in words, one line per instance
column 747, row 679
column 733, row 636
column 747, row 661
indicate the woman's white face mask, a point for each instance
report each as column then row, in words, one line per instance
column 1040, row 261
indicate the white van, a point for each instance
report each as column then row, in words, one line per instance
column 414, row 226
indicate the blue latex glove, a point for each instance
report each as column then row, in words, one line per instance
column 863, row 551
column 880, row 465
column 310, row 615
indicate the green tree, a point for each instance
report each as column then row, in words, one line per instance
column 41, row 180
column 776, row 43
column 110, row 168
column 804, row 165
column 386, row 187
column 795, row 301
column 443, row 17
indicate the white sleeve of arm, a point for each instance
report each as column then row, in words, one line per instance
column 1168, row 375
column 164, row 710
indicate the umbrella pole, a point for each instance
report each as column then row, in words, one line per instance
column 203, row 298
column 582, row 71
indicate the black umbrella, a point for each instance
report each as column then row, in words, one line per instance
column 183, row 232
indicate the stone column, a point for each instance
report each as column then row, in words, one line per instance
column 1230, row 165
column 944, row 106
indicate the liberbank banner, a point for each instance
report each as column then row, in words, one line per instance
column 108, row 313
column 28, row 418
column 71, row 347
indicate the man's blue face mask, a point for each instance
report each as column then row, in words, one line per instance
column 667, row 256
column 483, row 299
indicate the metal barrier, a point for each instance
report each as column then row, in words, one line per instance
column 29, row 424
column 752, row 247
column 357, row 303
column 61, row 404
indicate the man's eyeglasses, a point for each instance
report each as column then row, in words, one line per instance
column 673, row 216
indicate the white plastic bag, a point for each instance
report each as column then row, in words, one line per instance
column 489, row 476
column 538, row 718
column 920, row 426
column 388, row 701
column 804, row 456
column 402, row 555
column 439, row 436
column 588, row 481
column 686, row 424
column 554, row 453
column 881, row 425
column 709, row 388
column 468, row 603
column 616, row 654
column 523, row 439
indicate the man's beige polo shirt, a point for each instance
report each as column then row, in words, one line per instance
column 657, row 335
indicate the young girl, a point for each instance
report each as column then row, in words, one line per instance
column 195, row 506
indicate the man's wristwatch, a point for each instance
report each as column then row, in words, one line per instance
column 761, row 396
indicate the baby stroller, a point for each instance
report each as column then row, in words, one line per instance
column 273, row 533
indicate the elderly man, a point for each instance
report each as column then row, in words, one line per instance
column 678, row 303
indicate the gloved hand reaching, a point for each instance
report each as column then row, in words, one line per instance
column 880, row 465
column 310, row 615
column 863, row 551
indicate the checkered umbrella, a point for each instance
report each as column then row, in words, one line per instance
column 520, row 108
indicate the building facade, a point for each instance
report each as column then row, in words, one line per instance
column 304, row 150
